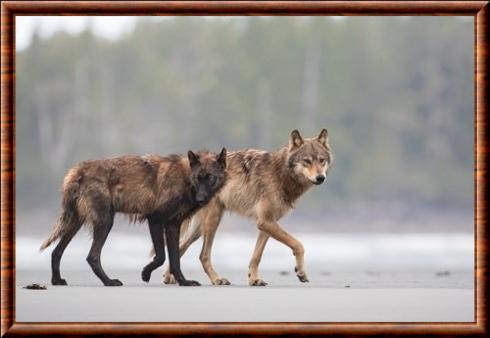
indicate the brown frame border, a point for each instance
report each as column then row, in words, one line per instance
column 9, row 9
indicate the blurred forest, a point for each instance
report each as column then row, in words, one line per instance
column 395, row 93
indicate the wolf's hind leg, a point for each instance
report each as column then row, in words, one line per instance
column 101, row 230
column 253, row 267
column 58, row 252
column 156, row 231
column 209, row 226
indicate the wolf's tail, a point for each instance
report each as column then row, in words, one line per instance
column 69, row 217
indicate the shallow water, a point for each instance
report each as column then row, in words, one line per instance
column 433, row 251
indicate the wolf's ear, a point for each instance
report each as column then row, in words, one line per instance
column 193, row 159
column 295, row 140
column 222, row 158
column 323, row 137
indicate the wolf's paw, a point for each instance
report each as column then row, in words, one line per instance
column 257, row 282
column 113, row 282
column 303, row 279
column 301, row 276
column 188, row 282
column 58, row 281
column 146, row 274
column 169, row 279
column 221, row 281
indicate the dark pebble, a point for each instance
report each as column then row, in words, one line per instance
column 35, row 286
column 443, row 273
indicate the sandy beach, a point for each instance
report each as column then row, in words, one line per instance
column 330, row 297
column 353, row 278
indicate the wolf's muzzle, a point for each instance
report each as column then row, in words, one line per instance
column 319, row 179
column 201, row 198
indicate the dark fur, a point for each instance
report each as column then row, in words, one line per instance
column 163, row 190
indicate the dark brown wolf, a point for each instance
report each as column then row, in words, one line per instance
column 163, row 190
column 263, row 186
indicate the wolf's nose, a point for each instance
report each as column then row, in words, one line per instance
column 320, row 179
column 200, row 198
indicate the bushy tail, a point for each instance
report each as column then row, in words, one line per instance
column 55, row 234
column 68, row 218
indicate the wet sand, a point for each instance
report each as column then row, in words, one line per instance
column 331, row 296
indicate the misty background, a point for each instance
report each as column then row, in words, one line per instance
column 395, row 93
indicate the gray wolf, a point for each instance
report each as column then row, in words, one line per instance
column 163, row 190
column 263, row 186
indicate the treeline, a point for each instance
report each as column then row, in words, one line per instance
column 396, row 95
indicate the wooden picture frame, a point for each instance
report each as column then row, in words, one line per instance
column 10, row 9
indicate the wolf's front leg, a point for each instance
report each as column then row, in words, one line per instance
column 156, row 231
column 274, row 230
column 253, row 267
column 172, row 233
column 190, row 236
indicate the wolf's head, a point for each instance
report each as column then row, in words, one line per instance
column 310, row 158
column 207, row 174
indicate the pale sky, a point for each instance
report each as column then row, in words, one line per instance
column 110, row 27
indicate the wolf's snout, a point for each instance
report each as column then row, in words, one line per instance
column 320, row 179
column 200, row 197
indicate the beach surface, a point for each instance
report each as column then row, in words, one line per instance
column 363, row 296
column 353, row 278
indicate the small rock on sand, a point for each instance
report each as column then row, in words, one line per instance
column 443, row 273
column 35, row 286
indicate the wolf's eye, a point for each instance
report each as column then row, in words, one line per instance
column 211, row 179
column 321, row 160
column 307, row 161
